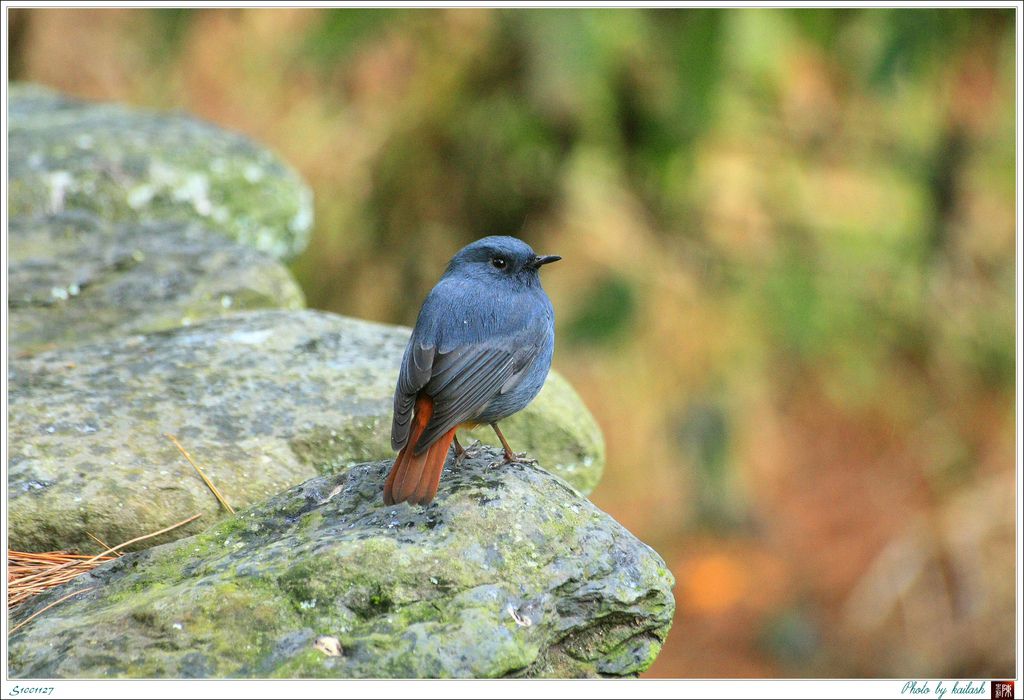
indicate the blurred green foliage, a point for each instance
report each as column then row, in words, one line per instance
column 792, row 637
column 704, row 436
column 168, row 29
column 489, row 149
column 335, row 37
column 605, row 313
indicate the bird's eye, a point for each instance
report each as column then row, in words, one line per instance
column 499, row 263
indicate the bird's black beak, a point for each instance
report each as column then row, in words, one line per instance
column 545, row 259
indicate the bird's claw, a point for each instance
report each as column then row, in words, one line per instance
column 468, row 452
column 515, row 457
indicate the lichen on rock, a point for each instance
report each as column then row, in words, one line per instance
column 510, row 572
column 134, row 165
column 74, row 279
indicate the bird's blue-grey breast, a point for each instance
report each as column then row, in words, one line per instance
column 483, row 341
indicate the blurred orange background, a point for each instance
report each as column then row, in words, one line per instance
column 788, row 286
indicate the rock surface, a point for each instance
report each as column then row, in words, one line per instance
column 130, row 165
column 74, row 279
column 262, row 400
column 508, row 573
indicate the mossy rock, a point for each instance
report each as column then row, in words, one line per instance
column 133, row 165
column 73, row 279
column 510, row 572
column 262, row 400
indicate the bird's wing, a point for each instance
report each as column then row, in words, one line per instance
column 412, row 376
column 464, row 380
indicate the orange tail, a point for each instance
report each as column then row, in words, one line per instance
column 413, row 477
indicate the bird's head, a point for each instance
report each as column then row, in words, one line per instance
column 499, row 258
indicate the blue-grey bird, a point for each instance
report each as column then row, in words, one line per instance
column 480, row 351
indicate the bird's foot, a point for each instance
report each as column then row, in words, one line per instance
column 468, row 452
column 516, row 457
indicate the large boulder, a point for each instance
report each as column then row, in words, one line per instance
column 510, row 572
column 132, row 165
column 75, row 279
column 262, row 400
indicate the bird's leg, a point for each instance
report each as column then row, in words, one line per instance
column 509, row 454
column 460, row 451
column 463, row 453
